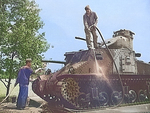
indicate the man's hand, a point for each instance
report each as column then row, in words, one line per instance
column 92, row 26
column 31, row 81
column 89, row 29
column 39, row 69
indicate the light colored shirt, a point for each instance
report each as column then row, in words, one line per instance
column 92, row 19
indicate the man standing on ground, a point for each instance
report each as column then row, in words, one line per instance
column 23, row 80
column 90, row 20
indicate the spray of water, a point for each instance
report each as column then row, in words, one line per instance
column 99, row 70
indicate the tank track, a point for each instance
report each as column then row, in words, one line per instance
column 89, row 93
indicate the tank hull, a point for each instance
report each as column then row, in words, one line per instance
column 90, row 91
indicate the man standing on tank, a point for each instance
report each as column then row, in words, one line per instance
column 90, row 20
column 23, row 80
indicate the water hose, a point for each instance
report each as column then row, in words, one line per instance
column 114, row 63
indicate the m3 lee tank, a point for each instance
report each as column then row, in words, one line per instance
column 100, row 77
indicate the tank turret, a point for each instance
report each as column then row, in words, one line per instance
column 121, row 39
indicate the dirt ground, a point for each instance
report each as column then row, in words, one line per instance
column 35, row 105
column 11, row 108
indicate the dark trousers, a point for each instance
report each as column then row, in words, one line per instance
column 22, row 97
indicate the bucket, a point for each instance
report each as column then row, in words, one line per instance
column 13, row 99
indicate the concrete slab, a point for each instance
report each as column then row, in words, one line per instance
column 11, row 108
column 144, row 108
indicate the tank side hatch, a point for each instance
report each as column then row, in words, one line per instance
column 121, row 46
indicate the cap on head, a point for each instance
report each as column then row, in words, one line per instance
column 28, row 60
column 87, row 7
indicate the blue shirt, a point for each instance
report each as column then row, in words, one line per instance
column 24, row 75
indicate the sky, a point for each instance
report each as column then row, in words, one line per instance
column 63, row 21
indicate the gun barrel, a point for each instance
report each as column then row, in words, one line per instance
column 85, row 39
column 53, row 61
column 80, row 38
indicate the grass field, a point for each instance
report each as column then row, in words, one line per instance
column 15, row 90
column 3, row 88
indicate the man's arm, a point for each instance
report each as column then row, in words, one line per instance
column 96, row 19
column 34, row 72
column 18, row 77
column 85, row 22
column 39, row 69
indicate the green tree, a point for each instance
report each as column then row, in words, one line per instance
column 19, row 36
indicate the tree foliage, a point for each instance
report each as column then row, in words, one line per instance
column 19, row 35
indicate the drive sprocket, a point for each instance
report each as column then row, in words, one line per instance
column 70, row 90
